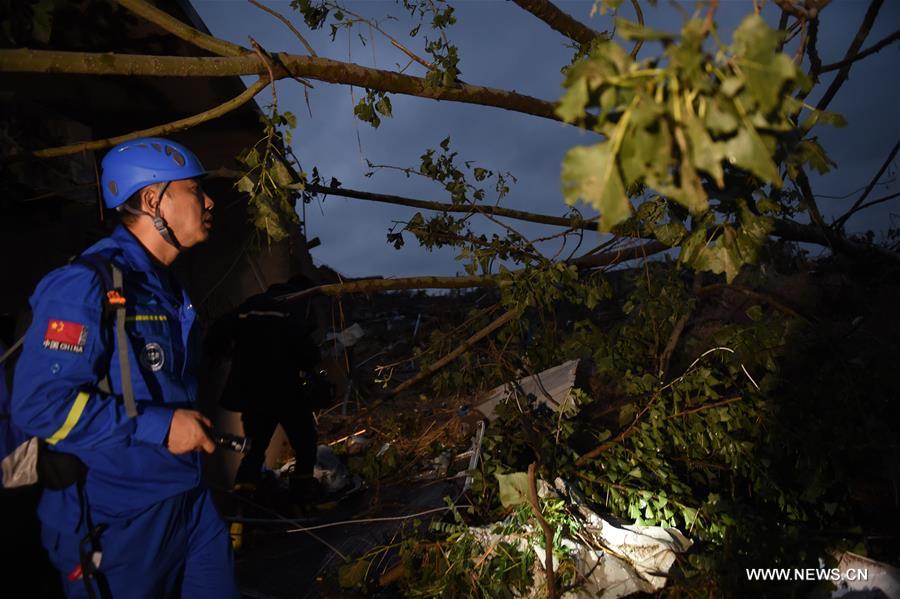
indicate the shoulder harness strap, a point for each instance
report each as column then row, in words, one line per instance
column 114, row 303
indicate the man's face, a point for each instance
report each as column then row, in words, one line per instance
column 188, row 211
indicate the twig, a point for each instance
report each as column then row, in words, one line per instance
column 718, row 404
column 266, row 60
column 160, row 130
column 810, row 198
column 409, row 53
column 462, row 349
column 710, row 13
column 548, row 531
column 676, row 332
column 870, row 50
column 640, row 17
column 856, row 205
column 874, row 202
column 782, row 27
column 287, row 22
column 581, row 461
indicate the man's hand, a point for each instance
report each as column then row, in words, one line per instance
column 187, row 433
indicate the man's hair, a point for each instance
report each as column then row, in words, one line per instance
column 133, row 202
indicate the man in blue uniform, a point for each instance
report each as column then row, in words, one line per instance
column 139, row 524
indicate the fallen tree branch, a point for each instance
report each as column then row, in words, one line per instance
column 310, row 67
column 560, row 21
column 380, row 285
column 160, row 130
column 794, row 231
column 759, row 295
column 613, row 257
column 460, row 350
column 548, row 531
column 545, row 219
column 182, row 30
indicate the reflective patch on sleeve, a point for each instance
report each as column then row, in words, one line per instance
column 146, row 318
column 71, row 420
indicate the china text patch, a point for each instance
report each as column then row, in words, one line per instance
column 66, row 336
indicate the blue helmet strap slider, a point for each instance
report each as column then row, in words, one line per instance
column 160, row 223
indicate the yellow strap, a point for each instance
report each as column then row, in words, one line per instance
column 71, row 420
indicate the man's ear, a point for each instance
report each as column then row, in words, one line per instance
column 149, row 199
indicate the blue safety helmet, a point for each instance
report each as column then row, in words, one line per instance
column 134, row 164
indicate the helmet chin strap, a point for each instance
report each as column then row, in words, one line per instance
column 162, row 227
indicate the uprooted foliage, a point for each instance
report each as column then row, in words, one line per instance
column 756, row 418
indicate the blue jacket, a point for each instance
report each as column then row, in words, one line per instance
column 70, row 346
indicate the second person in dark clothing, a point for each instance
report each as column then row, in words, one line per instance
column 274, row 380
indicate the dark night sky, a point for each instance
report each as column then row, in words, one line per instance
column 502, row 46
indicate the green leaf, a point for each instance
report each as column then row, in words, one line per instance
column 383, row 106
column 670, row 234
column 513, row 488
column 766, row 70
column 626, row 414
column 754, row 313
column 706, row 154
column 571, row 105
column 281, row 174
column 720, row 120
column 747, row 151
column 590, row 173
column 245, row 185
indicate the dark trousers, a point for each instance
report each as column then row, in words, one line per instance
column 259, row 425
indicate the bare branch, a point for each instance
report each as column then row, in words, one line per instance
column 844, row 71
column 181, row 30
column 815, row 63
column 321, row 69
column 560, row 21
column 857, row 205
column 880, row 200
column 876, row 47
column 287, row 22
column 179, row 125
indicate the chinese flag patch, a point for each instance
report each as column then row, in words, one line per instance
column 66, row 336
